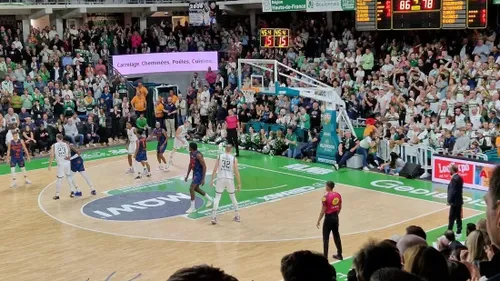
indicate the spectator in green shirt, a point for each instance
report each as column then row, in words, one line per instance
column 291, row 140
column 16, row 102
column 142, row 123
column 27, row 100
column 305, row 119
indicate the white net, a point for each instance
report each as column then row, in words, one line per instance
column 249, row 95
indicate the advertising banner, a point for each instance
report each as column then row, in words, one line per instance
column 329, row 140
column 165, row 62
column 475, row 174
column 283, row 5
column 202, row 13
column 330, row 5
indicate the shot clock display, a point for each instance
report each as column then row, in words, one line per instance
column 274, row 38
column 421, row 14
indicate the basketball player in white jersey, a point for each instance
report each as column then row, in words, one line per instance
column 61, row 152
column 179, row 140
column 131, row 145
column 226, row 168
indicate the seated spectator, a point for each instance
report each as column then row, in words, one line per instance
column 291, row 141
column 201, row 273
column 416, row 230
column 364, row 147
column 305, row 266
column 308, row 150
column 374, row 256
column 42, row 139
column 29, row 139
column 394, row 274
column 103, row 130
column 142, row 123
column 395, row 165
column 347, row 148
column 426, row 262
column 408, row 241
column 452, row 242
column 71, row 132
column 90, row 129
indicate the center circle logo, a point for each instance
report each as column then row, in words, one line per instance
column 139, row 206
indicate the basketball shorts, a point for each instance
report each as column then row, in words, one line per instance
column 161, row 148
column 131, row 148
column 141, row 156
column 77, row 165
column 179, row 144
column 224, row 184
column 197, row 178
column 16, row 162
column 63, row 169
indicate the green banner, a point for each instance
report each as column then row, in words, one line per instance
column 283, row 5
column 329, row 140
column 496, row 2
column 331, row 5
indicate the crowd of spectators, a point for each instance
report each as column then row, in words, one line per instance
column 471, row 256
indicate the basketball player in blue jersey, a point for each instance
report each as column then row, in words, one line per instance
column 16, row 152
column 77, row 166
column 141, row 156
column 161, row 136
column 199, row 168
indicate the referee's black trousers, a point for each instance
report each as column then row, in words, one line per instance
column 232, row 139
column 455, row 215
column 331, row 224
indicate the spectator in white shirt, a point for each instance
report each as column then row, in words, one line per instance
column 71, row 131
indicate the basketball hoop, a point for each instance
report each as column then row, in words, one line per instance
column 249, row 94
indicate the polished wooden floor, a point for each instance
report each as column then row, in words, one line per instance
column 43, row 239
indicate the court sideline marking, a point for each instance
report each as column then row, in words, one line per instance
column 234, row 241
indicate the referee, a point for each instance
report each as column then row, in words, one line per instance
column 455, row 199
column 232, row 127
column 331, row 206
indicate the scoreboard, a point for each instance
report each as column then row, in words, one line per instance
column 274, row 38
column 420, row 14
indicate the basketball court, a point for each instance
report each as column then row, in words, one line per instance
column 138, row 229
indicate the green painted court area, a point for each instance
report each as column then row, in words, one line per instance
column 266, row 187
column 275, row 178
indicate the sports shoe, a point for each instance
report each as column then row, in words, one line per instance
column 214, row 221
column 72, row 194
column 366, row 168
column 56, row 197
column 190, row 210
column 93, row 192
column 13, row 184
column 371, row 166
column 27, row 181
column 138, row 177
column 336, row 166
column 148, row 175
column 159, row 168
column 130, row 171
column 78, row 193
column 237, row 218
column 209, row 204
column 338, row 257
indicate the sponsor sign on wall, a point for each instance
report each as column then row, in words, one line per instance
column 330, row 5
column 202, row 13
column 165, row 62
column 475, row 174
column 283, row 5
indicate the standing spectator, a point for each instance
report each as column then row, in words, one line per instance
column 364, row 146
column 170, row 111
column 71, row 132
column 159, row 111
column 102, row 130
column 139, row 103
column 232, row 127
column 211, row 77
column 29, row 139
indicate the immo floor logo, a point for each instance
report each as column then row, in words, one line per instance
column 139, row 206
